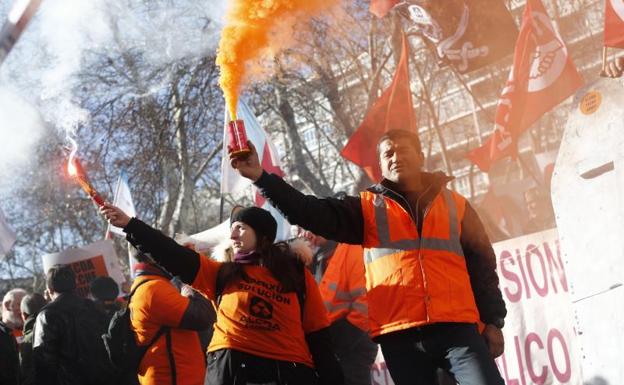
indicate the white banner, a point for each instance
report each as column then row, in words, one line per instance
column 123, row 200
column 540, row 343
column 232, row 182
column 90, row 261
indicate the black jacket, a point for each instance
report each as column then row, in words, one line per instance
column 9, row 361
column 25, row 352
column 342, row 220
column 67, row 347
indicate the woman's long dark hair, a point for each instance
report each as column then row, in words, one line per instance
column 281, row 261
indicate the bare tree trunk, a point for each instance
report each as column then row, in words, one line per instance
column 185, row 194
column 288, row 115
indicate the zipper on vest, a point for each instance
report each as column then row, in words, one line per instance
column 427, row 298
column 411, row 212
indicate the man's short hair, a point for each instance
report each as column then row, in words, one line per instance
column 32, row 303
column 104, row 289
column 401, row 134
column 61, row 279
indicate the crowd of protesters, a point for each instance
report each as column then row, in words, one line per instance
column 406, row 265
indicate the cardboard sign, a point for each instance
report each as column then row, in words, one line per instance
column 90, row 261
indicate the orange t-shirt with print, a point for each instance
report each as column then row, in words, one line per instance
column 258, row 318
column 155, row 304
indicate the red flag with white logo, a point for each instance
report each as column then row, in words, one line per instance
column 232, row 182
column 614, row 23
column 542, row 76
column 393, row 110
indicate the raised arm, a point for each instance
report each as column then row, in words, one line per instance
column 337, row 219
column 177, row 259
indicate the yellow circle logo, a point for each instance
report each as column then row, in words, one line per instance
column 591, row 102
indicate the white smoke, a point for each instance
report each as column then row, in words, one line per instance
column 40, row 73
column 20, row 128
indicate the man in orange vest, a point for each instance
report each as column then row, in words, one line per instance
column 339, row 270
column 430, row 267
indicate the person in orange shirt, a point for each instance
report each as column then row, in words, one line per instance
column 272, row 326
column 339, row 270
column 167, row 318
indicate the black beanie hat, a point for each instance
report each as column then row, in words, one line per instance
column 258, row 219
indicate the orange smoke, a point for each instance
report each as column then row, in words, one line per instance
column 251, row 28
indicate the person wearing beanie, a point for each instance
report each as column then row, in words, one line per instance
column 272, row 326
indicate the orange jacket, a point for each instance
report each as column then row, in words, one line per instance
column 413, row 279
column 155, row 304
column 343, row 286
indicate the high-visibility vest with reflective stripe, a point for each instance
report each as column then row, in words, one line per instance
column 412, row 279
column 343, row 286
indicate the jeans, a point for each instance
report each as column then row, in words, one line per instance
column 414, row 355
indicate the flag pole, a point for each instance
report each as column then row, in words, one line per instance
column 221, row 204
column 603, row 71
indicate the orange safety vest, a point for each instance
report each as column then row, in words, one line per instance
column 413, row 279
column 343, row 286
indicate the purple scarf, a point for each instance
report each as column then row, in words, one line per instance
column 247, row 258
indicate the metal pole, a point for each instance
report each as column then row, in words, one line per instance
column 20, row 14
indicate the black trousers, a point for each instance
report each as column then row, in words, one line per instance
column 231, row 367
column 413, row 356
column 355, row 350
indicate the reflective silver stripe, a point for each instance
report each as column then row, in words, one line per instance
column 346, row 295
column 351, row 306
column 442, row 245
column 387, row 247
column 381, row 220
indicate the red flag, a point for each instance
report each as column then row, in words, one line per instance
column 393, row 110
column 380, row 8
column 542, row 76
column 614, row 23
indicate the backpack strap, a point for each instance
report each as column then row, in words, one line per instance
column 129, row 296
column 170, row 356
